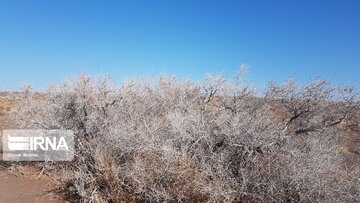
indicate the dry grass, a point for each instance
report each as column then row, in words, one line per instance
column 6, row 104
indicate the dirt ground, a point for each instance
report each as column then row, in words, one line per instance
column 26, row 186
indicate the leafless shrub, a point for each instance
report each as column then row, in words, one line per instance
column 219, row 141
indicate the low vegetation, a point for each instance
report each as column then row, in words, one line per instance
column 6, row 102
column 215, row 141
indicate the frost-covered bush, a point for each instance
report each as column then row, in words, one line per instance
column 216, row 141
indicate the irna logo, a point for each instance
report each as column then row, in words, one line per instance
column 37, row 143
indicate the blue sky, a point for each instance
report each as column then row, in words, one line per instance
column 45, row 41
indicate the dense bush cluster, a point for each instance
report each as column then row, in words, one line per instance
column 214, row 141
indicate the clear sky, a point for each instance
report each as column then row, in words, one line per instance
column 46, row 41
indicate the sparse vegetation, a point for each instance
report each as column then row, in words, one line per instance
column 6, row 103
column 218, row 141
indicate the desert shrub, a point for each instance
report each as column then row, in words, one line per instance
column 215, row 141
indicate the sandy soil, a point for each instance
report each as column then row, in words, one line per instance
column 18, row 188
